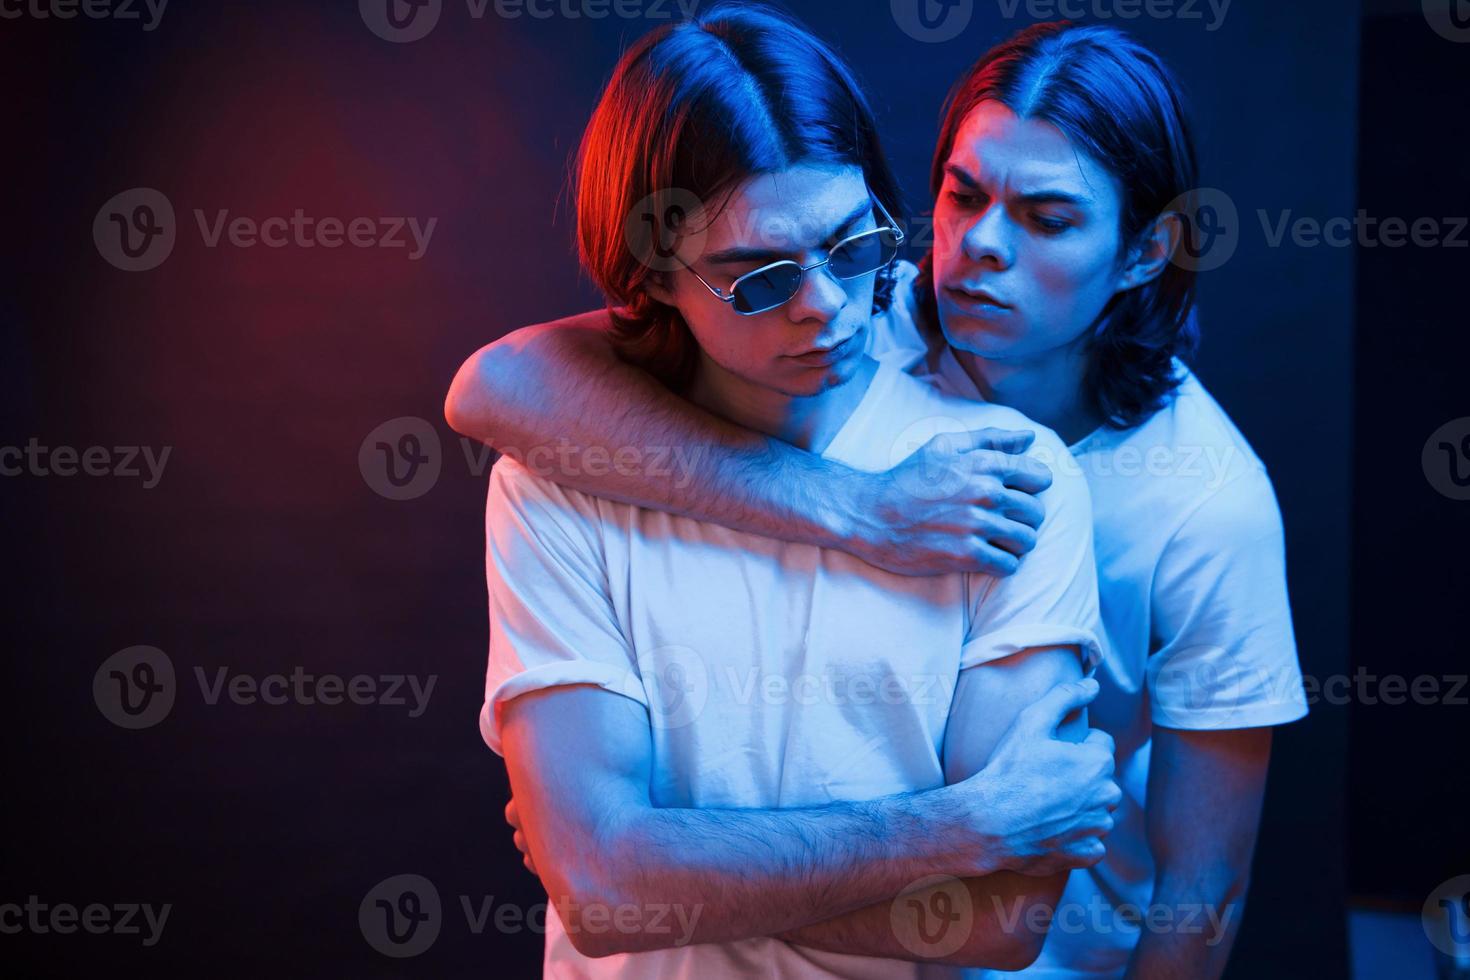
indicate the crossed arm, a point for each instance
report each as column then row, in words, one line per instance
column 579, row 763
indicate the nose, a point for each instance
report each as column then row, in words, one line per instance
column 990, row 239
column 821, row 296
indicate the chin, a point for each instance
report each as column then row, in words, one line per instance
column 983, row 338
column 813, row 381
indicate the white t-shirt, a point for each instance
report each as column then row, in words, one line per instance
column 776, row 674
column 1192, row 573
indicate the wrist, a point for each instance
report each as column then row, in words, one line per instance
column 856, row 507
column 988, row 841
column 825, row 500
column 954, row 824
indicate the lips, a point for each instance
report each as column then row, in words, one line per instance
column 824, row 355
column 976, row 295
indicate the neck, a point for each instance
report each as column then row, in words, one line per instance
column 808, row 422
column 1047, row 388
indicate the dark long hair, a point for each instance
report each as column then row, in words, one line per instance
column 698, row 107
column 1119, row 103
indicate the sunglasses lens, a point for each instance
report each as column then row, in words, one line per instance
column 767, row 288
column 864, row 254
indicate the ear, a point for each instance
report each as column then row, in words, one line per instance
column 657, row 286
column 1151, row 252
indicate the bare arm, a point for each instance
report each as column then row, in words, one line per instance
column 1204, row 809
column 999, row 920
column 556, row 397
column 579, row 760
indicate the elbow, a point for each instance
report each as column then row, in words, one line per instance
column 467, row 407
column 1014, row 950
column 603, row 910
column 1023, row 921
column 584, row 907
column 1017, row 953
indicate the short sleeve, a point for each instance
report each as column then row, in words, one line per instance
column 1051, row 599
column 552, row 621
column 1225, row 650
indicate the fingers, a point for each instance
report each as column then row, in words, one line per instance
column 1046, row 714
column 1008, row 535
column 1014, row 505
column 1002, row 440
column 1096, row 736
column 1023, row 473
column 989, row 559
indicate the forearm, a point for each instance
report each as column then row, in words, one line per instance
column 558, row 399
column 1204, row 808
column 1195, row 918
column 999, row 922
column 748, row 873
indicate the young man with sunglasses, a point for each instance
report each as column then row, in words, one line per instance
column 734, row 755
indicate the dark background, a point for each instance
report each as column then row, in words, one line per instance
column 265, row 548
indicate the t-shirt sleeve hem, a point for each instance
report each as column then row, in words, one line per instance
column 1014, row 639
column 559, row 674
column 1225, row 717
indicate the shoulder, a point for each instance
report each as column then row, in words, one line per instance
column 944, row 412
column 533, row 505
column 1188, row 459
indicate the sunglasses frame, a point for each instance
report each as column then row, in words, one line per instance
column 802, row 270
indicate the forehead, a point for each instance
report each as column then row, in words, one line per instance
column 806, row 201
column 1002, row 150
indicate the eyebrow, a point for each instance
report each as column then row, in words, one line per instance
column 743, row 253
column 1045, row 196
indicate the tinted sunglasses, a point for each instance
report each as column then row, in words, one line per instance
column 771, row 285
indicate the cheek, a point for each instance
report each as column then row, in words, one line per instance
column 1069, row 284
